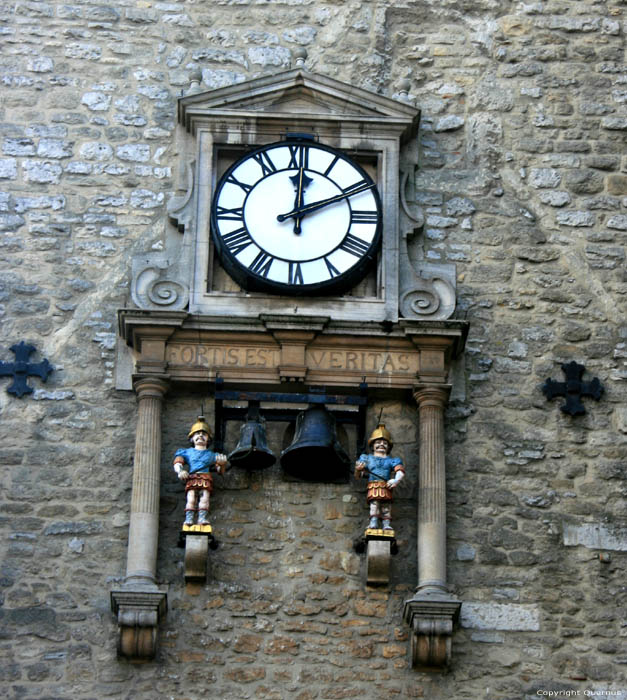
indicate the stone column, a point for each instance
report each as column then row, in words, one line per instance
column 432, row 489
column 141, row 561
column 140, row 604
column 432, row 612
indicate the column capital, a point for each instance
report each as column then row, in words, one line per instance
column 431, row 395
column 147, row 386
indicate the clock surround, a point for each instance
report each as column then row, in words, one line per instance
column 221, row 125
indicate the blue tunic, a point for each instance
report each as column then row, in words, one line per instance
column 198, row 461
column 379, row 468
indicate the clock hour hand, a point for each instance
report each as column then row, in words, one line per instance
column 314, row 206
column 301, row 182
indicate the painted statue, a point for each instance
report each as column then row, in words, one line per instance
column 384, row 473
column 193, row 466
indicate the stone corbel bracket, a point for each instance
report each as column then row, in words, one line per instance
column 196, row 554
column 378, row 554
column 139, row 613
column 427, row 290
column 431, row 621
column 161, row 280
column 197, row 540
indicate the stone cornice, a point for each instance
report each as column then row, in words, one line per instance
column 271, row 349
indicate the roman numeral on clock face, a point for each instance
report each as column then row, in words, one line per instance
column 236, row 214
column 261, row 264
column 362, row 216
column 355, row 246
column 331, row 166
column 232, row 180
column 237, row 240
column 264, row 160
column 299, row 157
column 295, row 275
column 333, row 271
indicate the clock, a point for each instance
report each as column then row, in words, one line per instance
column 296, row 217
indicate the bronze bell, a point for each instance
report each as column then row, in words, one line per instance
column 252, row 450
column 315, row 453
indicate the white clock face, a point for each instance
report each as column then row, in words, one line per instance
column 296, row 217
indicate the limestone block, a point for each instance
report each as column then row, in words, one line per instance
column 595, row 536
column 18, row 147
column 576, row 218
column 8, row 169
column 95, row 150
column 42, row 172
column 500, row 616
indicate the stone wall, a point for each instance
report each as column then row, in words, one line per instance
column 522, row 179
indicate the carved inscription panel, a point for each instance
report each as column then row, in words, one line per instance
column 322, row 364
column 219, row 356
column 362, row 361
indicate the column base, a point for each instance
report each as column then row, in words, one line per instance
column 432, row 618
column 139, row 611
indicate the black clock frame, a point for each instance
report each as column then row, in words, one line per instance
column 252, row 282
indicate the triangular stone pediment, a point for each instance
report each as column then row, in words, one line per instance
column 296, row 92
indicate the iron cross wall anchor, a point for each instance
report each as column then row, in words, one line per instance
column 573, row 389
column 21, row 369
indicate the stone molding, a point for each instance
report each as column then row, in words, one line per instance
column 160, row 280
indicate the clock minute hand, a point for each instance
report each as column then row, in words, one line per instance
column 314, row 206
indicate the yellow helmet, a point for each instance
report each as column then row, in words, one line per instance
column 200, row 424
column 380, row 432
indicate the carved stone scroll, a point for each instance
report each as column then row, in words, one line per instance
column 427, row 290
column 161, row 280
